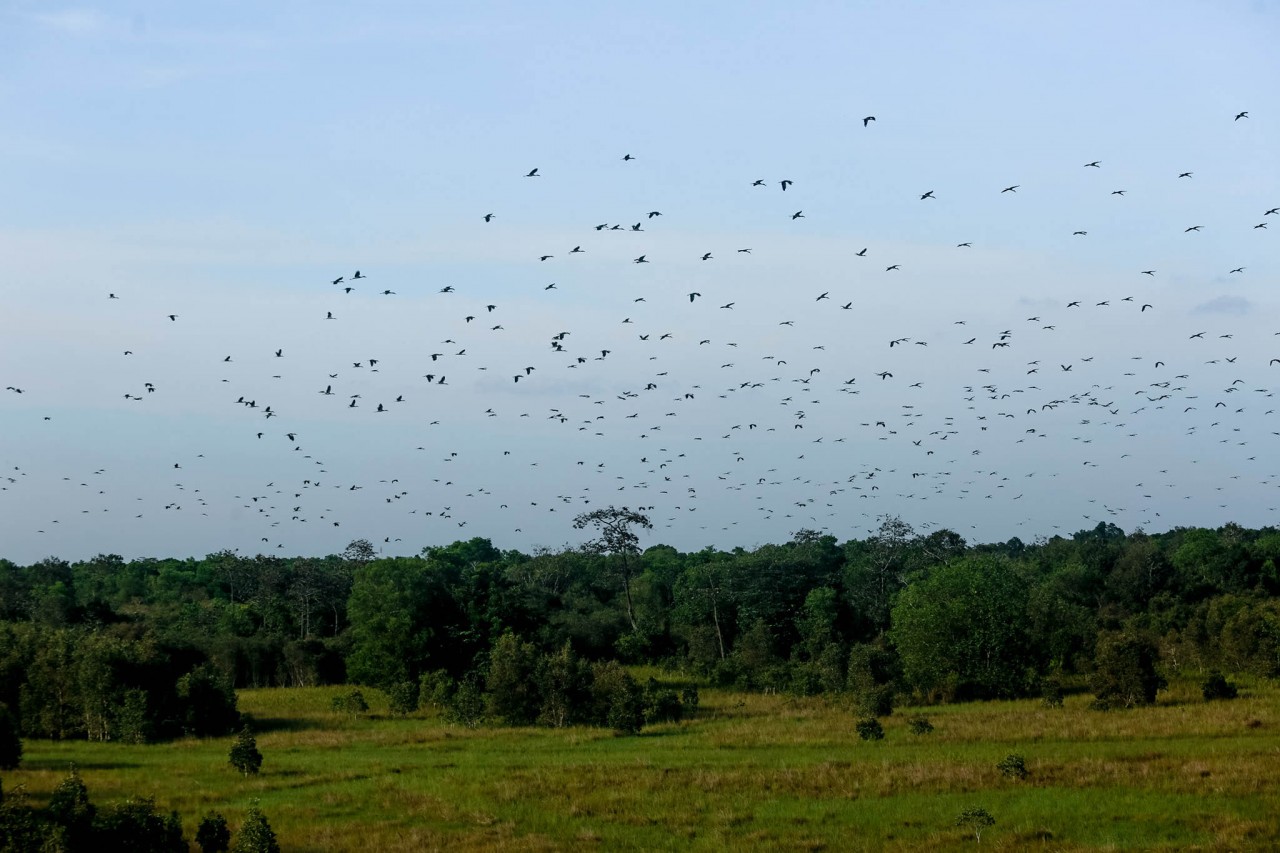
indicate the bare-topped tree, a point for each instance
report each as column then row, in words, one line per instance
column 617, row 538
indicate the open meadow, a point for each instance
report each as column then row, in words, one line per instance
column 747, row 771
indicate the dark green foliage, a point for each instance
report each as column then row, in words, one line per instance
column 402, row 698
column 352, row 702
column 1125, row 673
column 135, row 827
column 244, row 755
column 468, row 702
column 920, row 725
column 661, row 704
column 1013, row 766
column 255, row 835
column 127, row 651
column 71, row 812
column 869, row 728
column 435, row 689
column 213, row 834
column 1051, row 692
column 10, row 741
column 960, row 632
column 975, row 820
column 207, row 703
column 870, row 679
column 511, row 686
column 616, row 700
column 564, row 688
column 21, row 829
column 689, row 699
column 1216, row 686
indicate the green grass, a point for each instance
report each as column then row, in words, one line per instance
column 748, row 772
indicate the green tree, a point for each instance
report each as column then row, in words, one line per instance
column 390, row 631
column 70, row 810
column 244, row 755
column 617, row 539
column 212, row 834
column 1125, row 670
column 207, row 702
column 134, row 826
column 564, row 685
column 960, row 631
column 255, row 835
column 510, row 684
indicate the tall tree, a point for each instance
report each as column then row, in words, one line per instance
column 617, row 539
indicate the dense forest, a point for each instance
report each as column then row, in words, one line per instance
column 140, row 650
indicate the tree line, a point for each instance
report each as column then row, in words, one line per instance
column 145, row 649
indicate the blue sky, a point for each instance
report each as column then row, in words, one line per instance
column 225, row 163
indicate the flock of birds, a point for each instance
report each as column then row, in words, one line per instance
column 500, row 420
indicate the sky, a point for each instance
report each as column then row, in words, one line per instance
column 892, row 333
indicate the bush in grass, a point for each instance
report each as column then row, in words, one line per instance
column 661, row 704
column 402, row 697
column 72, row 813
column 870, row 729
column 208, row 703
column 510, row 686
column 467, row 705
column 244, row 755
column 1215, row 686
column 352, row 703
column 20, row 827
column 1013, row 766
column 255, row 835
column 616, row 700
column 212, row 834
column 10, row 742
column 1051, row 692
column 436, row 689
column 134, row 826
column 1125, row 672
column 564, row 688
column 689, row 699
column 975, row 820
column 871, row 674
column 920, row 725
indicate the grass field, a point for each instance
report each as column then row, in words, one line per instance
column 747, row 772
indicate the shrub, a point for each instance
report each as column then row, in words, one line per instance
column 872, row 670
column 436, row 689
column 208, row 703
column 352, row 703
column 70, row 809
column 244, row 755
column 1051, row 692
column 1013, row 766
column 212, row 834
column 20, row 827
column 1125, row 672
column 1216, row 686
column 661, row 704
column 616, row 700
column 403, row 698
column 256, row 835
column 135, row 827
column 920, row 725
column 10, row 742
column 467, row 705
column 975, row 820
column 564, row 685
column 870, row 729
column 512, row 691
column 689, row 699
